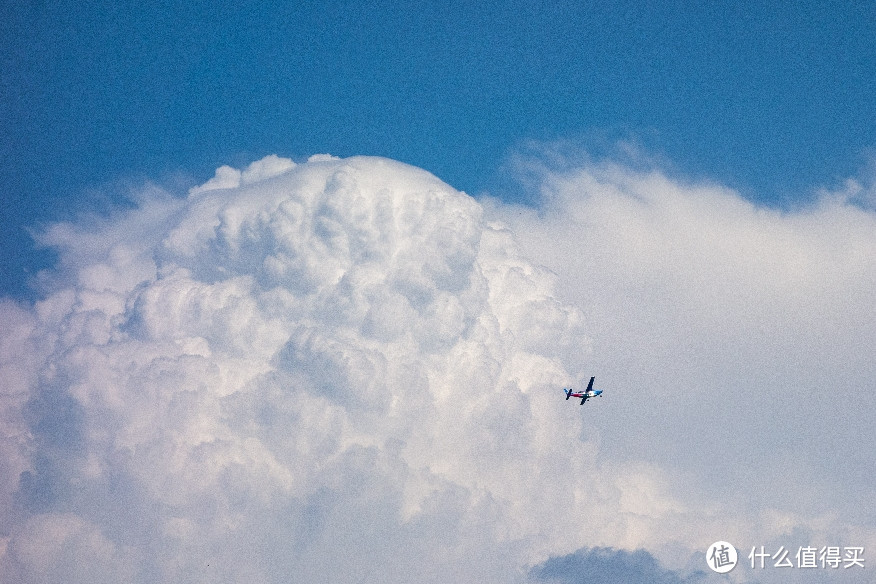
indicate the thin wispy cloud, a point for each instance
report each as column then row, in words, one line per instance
column 740, row 336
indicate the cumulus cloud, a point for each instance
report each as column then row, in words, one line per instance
column 345, row 370
column 331, row 371
column 608, row 566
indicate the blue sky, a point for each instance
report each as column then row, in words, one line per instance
column 771, row 98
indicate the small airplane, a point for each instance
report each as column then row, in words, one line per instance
column 584, row 395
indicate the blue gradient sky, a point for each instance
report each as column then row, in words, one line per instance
column 771, row 98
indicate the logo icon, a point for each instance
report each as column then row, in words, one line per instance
column 721, row 557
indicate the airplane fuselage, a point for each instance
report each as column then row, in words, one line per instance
column 587, row 394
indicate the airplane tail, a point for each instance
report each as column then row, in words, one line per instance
column 568, row 393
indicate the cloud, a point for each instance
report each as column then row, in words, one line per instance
column 737, row 338
column 344, row 369
column 608, row 566
column 334, row 370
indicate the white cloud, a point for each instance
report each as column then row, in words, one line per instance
column 737, row 339
column 292, row 360
column 345, row 369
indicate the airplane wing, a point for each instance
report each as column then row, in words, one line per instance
column 590, row 385
column 584, row 398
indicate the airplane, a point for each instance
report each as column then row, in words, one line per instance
column 584, row 395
